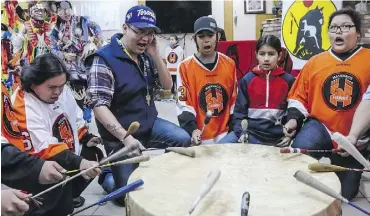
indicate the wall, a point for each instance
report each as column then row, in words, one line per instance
column 245, row 24
column 124, row 5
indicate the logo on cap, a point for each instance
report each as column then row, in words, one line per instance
column 212, row 24
column 128, row 16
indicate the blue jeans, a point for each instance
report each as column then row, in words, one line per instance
column 164, row 134
column 314, row 135
column 232, row 138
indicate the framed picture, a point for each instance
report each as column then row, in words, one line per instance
column 254, row 6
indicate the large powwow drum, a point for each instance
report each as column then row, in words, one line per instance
column 173, row 181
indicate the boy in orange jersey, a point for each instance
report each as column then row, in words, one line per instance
column 327, row 92
column 207, row 82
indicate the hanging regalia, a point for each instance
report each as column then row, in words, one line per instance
column 78, row 37
column 37, row 33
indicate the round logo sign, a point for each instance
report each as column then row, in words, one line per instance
column 341, row 91
column 213, row 97
column 305, row 28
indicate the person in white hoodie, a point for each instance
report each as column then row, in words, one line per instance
column 174, row 54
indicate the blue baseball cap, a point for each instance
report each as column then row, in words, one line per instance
column 142, row 16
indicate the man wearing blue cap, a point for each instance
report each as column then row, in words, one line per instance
column 120, row 91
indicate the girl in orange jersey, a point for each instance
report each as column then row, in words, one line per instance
column 327, row 92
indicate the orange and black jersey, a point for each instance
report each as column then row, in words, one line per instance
column 329, row 88
column 202, row 89
column 9, row 123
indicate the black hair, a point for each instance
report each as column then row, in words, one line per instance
column 175, row 36
column 354, row 15
column 222, row 34
column 42, row 68
column 270, row 40
column 196, row 43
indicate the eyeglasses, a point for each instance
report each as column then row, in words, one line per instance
column 142, row 34
column 343, row 28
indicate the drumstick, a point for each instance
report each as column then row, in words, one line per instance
column 316, row 184
column 319, row 167
column 181, row 150
column 120, row 152
column 343, row 142
column 244, row 124
column 301, row 150
column 213, row 176
column 133, row 160
column 134, row 126
column 245, row 204
column 115, row 194
column 206, row 121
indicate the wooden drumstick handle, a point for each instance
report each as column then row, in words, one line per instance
column 122, row 151
column 311, row 181
column 343, row 142
column 213, row 176
column 181, row 150
column 316, row 184
column 133, row 160
column 319, row 167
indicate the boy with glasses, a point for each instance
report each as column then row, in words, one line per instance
column 120, row 90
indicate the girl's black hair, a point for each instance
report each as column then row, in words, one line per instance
column 42, row 68
column 270, row 40
column 354, row 15
column 175, row 36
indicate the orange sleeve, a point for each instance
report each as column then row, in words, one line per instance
column 298, row 94
column 9, row 123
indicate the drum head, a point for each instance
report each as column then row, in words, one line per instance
column 172, row 182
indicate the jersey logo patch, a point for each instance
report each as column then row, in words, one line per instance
column 172, row 58
column 213, row 97
column 10, row 121
column 341, row 91
column 62, row 130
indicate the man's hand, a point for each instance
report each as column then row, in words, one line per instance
column 94, row 141
column 359, row 144
column 195, row 137
column 85, row 164
column 243, row 138
column 152, row 49
column 131, row 141
column 290, row 127
column 12, row 203
column 51, row 172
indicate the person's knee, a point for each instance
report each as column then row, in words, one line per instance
column 350, row 185
column 181, row 138
column 313, row 135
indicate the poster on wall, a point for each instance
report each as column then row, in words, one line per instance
column 95, row 9
column 305, row 28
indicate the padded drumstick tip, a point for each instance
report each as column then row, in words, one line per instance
column 343, row 142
